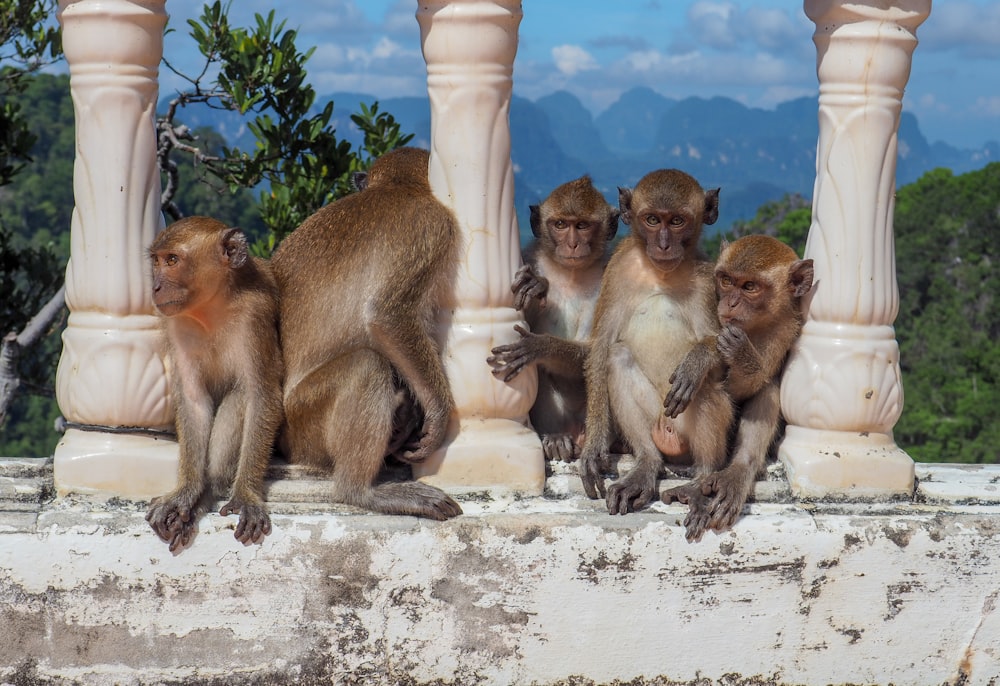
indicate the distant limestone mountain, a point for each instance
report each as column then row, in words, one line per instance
column 755, row 155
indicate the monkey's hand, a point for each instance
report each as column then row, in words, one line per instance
column 172, row 517
column 687, row 379
column 528, row 285
column 431, row 437
column 508, row 360
column 730, row 488
column 560, row 447
column 699, row 514
column 737, row 351
column 254, row 522
column 591, row 469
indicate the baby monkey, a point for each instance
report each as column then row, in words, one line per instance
column 219, row 309
column 760, row 283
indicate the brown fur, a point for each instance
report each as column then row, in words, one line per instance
column 760, row 282
column 219, row 310
column 360, row 281
column 657, row 300
column 557, row 289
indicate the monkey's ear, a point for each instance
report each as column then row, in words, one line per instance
column 613, row 223
column 800, row 277
column 359, row 180
column 234, row 246
column 536, row 220
column 625, row 204
column 711, row 206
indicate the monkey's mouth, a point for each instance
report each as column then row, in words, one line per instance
column 663, row 259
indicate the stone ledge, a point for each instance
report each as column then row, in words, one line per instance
column 516, row 591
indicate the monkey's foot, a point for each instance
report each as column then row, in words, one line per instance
column 632, row 492
column 410, row 498
column 173, row 519
column 698, row 517
column 254, row 524
column 559, row 447
column 730, row 489
column 667, row 440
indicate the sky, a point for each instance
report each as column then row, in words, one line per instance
column 757, row 52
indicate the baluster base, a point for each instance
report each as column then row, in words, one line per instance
column 123, row 465
column 494, row 454
column 821, row 463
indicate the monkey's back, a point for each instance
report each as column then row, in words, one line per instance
column 388, row 248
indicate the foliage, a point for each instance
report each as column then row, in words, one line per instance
column 787, row 219
column 259, row 72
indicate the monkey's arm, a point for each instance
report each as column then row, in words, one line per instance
column 528, row 286
column 598, row 434
column 701, row 361
column 559, row 356
column 748, row 372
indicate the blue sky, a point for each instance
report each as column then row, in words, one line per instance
column 758, row 52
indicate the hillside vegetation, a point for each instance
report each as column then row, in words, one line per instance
column 947, row 237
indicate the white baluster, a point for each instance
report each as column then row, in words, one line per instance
column 842, row 393
column 110, row 373
column 469, row 47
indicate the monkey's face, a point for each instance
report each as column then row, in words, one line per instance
column 743, row 299
column 573, row 240
column 669, row 233
column 171, row 273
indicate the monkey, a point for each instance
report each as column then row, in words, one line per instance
column 557, row 290
column 218, row 310
column 657, row 300
column 360, row 282
column 760, row 283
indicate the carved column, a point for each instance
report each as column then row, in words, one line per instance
column 110, row 374
column 469, row 47
column 841, row 392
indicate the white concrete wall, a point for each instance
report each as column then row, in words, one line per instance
column 531, row 591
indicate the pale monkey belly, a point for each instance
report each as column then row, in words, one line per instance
column 658, row 336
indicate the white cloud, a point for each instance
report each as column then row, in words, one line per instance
column 572, row 59
column 970, row 28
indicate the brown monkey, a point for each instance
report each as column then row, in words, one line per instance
column 557, row 290
column 360, row 281
column 219, row 310
column 657, row 300
column 760, row 283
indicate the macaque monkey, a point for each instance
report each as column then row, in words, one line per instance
column 557, row 290
column 760, row 283
column 657, row 301
column 360, row 283
column 219, row 309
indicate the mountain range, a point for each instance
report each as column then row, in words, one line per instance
column 754, row 155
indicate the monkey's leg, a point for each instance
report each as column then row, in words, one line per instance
column 173, row 516
column 710, row 416
column 239, row 451
column 356, row 412
column 734, row 485
column 635, row 406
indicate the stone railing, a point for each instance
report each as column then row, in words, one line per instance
column 842, row 393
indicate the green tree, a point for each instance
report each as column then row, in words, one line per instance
column 297, row 161
column 787, row 219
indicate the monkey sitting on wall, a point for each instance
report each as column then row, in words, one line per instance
column 657, row 300
column 557, row 290
column 360, row 283
column 760, row 283
column 219, row 309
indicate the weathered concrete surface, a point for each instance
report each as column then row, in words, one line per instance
column 536, row 591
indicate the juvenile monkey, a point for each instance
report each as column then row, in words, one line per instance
column 557, row 290
column 219, row 310
column 657, row 300
column 760, row 283
column 360, row 282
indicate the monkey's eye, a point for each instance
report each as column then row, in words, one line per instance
column 652, row 219
column 750, row 287
column 559, row 224
column 582, row 226
column 171, row 260
column 676, row 220
column 725, row 281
